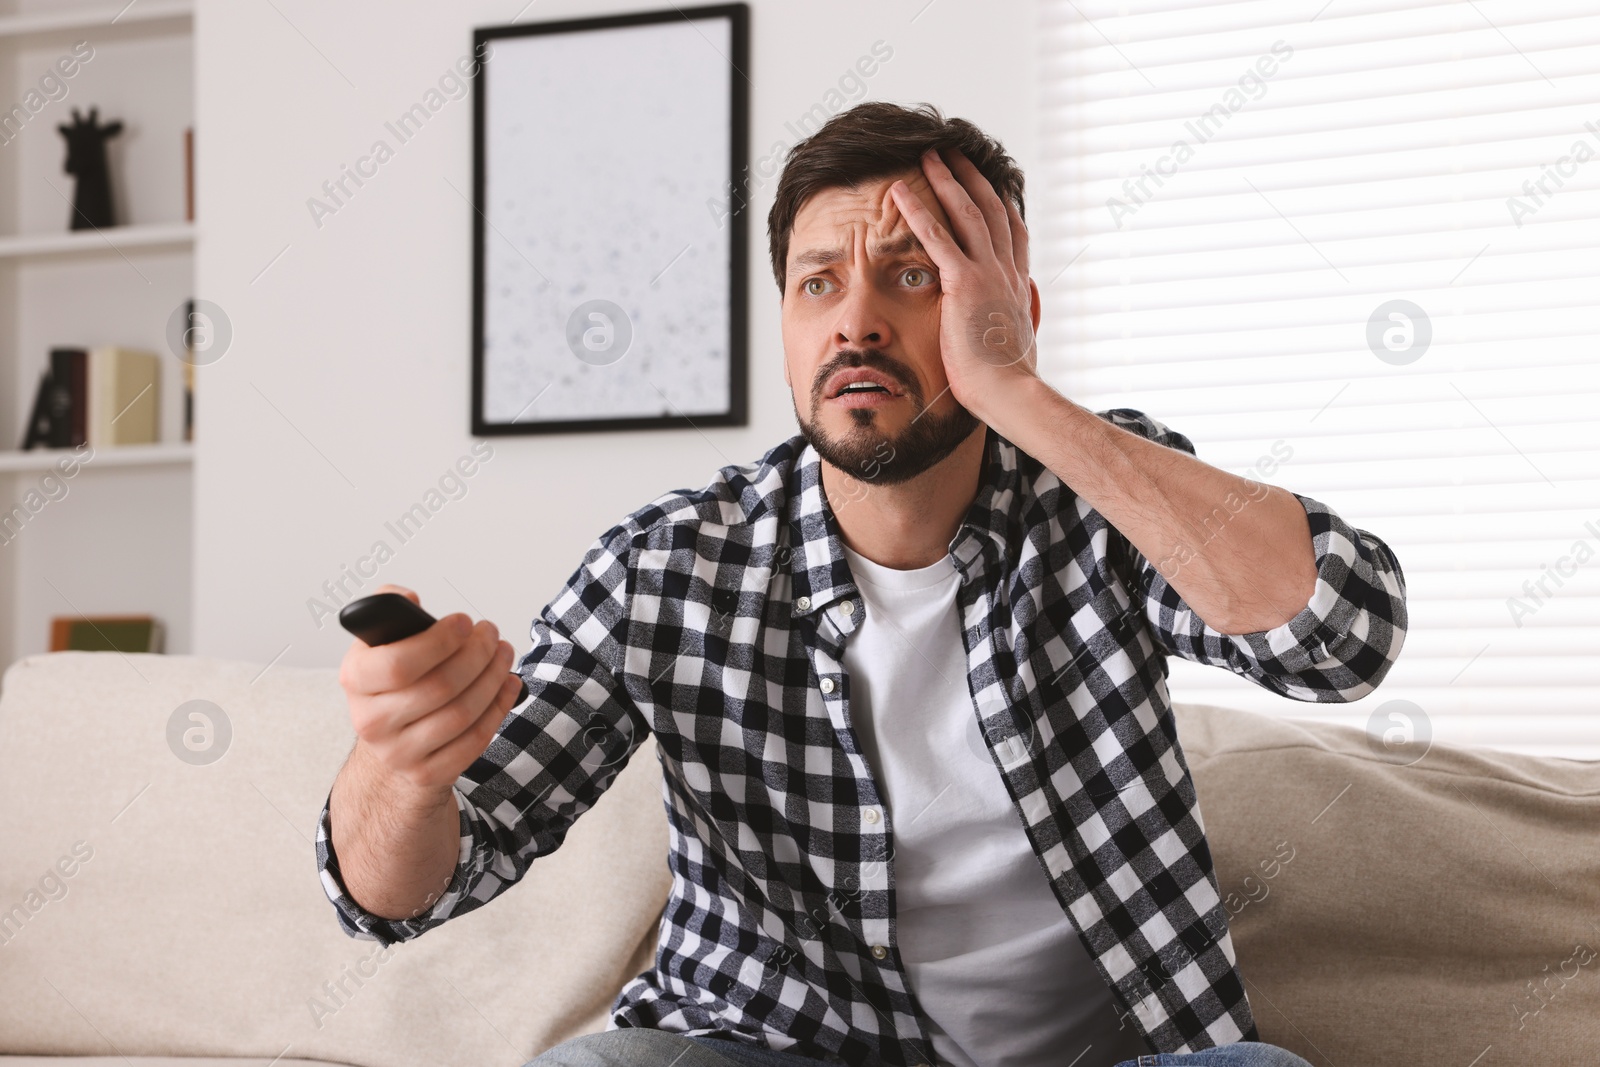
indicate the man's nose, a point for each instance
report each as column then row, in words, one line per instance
column 862, row 322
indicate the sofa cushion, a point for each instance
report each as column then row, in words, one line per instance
column 192, row 922
column 1442, row 913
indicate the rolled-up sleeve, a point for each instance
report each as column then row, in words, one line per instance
column 1339, row 647
column 550, row 761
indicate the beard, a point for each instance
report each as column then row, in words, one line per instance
column 866, row 452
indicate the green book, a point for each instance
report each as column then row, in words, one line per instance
column 111, row 633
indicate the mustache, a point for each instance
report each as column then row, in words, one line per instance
column 873, row 358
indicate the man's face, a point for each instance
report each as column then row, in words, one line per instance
column 861, row 335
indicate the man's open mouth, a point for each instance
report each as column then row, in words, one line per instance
column 862, row 385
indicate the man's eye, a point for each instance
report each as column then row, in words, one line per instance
column 926, row 275
column 806, row 285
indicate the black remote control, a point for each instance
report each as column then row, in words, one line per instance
column 384, row 618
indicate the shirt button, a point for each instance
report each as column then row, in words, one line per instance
column 827, row 685
column 803, row 603
column 871, row 815
column 879, row 952
column 848, row 607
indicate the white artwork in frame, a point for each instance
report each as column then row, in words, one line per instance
column 609, row 275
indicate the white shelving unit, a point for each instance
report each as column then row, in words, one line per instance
column 97, row 242
column 114, row 537
column 105, row 20
column 43, row 459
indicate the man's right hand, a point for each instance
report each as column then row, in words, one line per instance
column 426, row 707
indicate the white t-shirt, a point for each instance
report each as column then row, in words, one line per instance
column 989, row 952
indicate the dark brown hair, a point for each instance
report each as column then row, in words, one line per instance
column 875, row 140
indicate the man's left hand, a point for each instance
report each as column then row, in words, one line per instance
column 986, row 303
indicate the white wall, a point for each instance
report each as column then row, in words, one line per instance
column 344, row 396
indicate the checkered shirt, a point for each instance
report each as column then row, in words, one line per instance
column 717, row 620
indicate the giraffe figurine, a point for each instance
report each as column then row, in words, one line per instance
column 86, row 161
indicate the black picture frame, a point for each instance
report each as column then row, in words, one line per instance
column 735, row 412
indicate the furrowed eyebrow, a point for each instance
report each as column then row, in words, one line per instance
column 905, row 244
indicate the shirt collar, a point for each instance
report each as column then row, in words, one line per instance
column 817, row 565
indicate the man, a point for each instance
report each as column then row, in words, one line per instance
column 906, row 674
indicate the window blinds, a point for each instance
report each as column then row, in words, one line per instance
column 1360, row 238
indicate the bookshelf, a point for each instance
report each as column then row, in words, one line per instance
column 114, row 537
column 96, row 243
column 43, row 459
column 107, row 21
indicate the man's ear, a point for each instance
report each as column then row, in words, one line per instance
column 1034, row 306
column 786, row 380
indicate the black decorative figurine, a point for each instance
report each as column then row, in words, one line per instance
column 86, row 160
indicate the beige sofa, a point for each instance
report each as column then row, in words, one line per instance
column 159, row 906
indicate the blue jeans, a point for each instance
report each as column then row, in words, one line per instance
column 1240, row 1054
column 641, row 1047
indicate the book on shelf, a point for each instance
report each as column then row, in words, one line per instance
column 124, row 390
column 38, row 432
column 188, row 371
column 64, row 403
column 105, row 396
column 188, row 173
column 106, row 633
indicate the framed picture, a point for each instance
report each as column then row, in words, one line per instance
column 609, row 237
